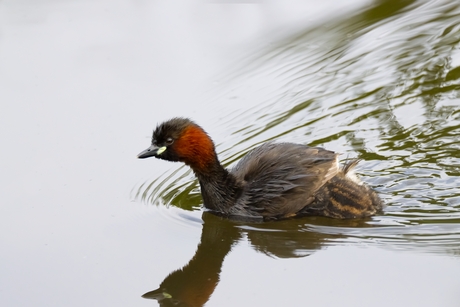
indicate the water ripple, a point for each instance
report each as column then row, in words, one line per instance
column 382, row 85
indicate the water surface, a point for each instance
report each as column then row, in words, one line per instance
column 84, row 83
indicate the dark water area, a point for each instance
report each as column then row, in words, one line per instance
column 83, row 84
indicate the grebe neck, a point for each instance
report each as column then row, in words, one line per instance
column 219, row 188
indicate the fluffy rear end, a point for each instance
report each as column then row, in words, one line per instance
column 346, row 197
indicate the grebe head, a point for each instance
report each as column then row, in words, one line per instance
column 180, row 139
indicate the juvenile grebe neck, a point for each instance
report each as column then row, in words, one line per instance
column 219, row 188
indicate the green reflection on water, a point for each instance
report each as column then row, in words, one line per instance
column 382, row 85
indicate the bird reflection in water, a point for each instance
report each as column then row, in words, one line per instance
column 193, row 285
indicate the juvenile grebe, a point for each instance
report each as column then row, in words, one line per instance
column 273, row 181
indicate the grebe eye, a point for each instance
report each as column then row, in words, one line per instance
column 169, row 141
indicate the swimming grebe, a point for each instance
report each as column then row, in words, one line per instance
column 273, row 181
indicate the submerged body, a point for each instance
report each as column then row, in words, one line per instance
column 273, row 181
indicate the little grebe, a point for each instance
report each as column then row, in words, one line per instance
column 273, row 181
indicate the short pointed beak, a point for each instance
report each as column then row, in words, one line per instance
column 149, row 152
column 157, row 294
